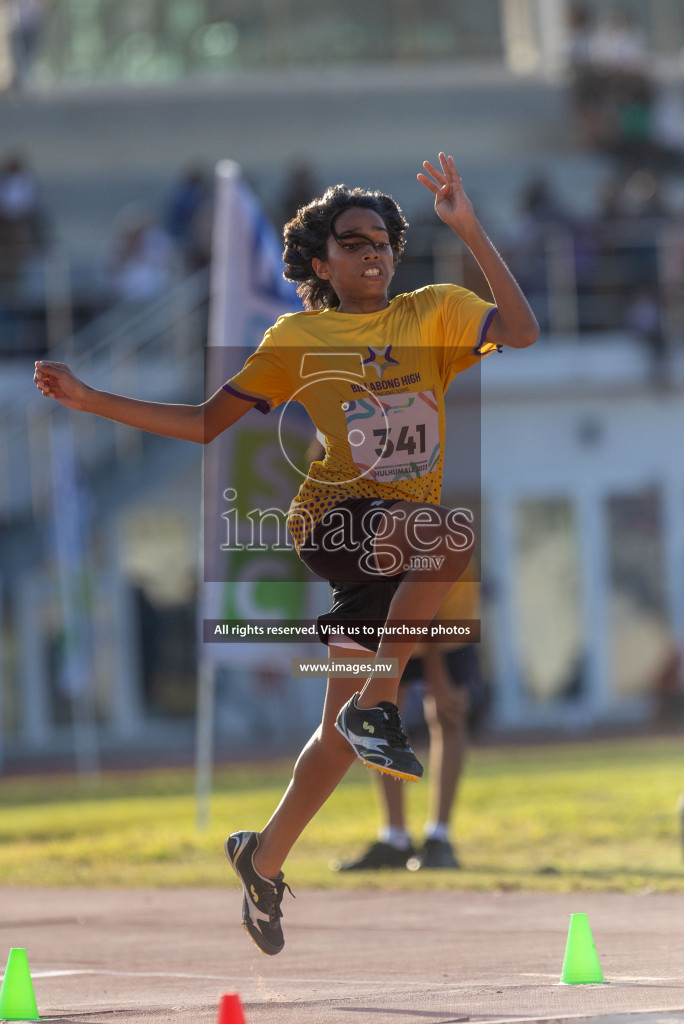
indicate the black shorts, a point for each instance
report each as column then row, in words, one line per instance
column 356, row 604
column 341, row 546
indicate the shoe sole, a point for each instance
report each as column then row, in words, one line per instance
column 393, row 772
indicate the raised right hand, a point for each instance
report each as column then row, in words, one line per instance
column 55, row 380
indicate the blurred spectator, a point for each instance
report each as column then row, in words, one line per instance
column 540, row 213
column 580, row 34
column 623, row 264
column 632, row 138
column 142, row 265
column 673, row 273
column 423, row 257
column 667, row 128
column 612, row 88
column 26, row 19
column 587, row 85
column 669, row 695
column 20, row 223
column 629, row 233
column 618, row 46
column 300, row 188
column 189, row 217
column 643, row 318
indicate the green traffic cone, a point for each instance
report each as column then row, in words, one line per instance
column 581, row 964
column 17, row 1001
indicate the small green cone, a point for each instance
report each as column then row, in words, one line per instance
column 17, row 1001
column 581, row 964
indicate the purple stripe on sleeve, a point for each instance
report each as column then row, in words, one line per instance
column 259, row 403
column 489, row 316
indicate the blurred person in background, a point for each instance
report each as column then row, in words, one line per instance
column 630, row 231
column 540, row 213
column 299, row 189
column 424, row 253
column 667, row 129
column 668, row 692
column 673, row 271
column 618, row 46
column 143, row 257
column 586, row 87
column 189, row 216
column 643, row 319
column 26, row 20
column 613, row 89
column 21, row 224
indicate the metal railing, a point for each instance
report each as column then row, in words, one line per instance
column 49, row 294
column 614, row 277
column 153, row 352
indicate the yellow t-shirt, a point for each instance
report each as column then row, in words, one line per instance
column 373, row 385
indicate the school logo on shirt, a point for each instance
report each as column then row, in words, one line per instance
column 380, row 359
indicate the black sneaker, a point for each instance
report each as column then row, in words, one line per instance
column 378, row 739
column 379, row 855
column 436, row 853
column 261, row 911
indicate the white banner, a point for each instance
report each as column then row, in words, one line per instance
column 248, row 290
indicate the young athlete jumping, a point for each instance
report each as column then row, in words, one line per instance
column 372, row 373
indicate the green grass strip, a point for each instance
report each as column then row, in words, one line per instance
column 574, row 816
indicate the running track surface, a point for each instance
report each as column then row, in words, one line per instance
column 359, row 957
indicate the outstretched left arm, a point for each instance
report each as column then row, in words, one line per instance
column 515, row 324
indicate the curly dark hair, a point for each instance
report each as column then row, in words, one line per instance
column 306, row 238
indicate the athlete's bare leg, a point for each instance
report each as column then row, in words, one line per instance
column 322, row 764
column 421, row 591
column 445, row 708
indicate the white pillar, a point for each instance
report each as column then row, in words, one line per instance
column 521, row 50
column 552, row 36
column 535, row 36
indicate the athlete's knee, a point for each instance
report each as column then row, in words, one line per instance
column 427, row 532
